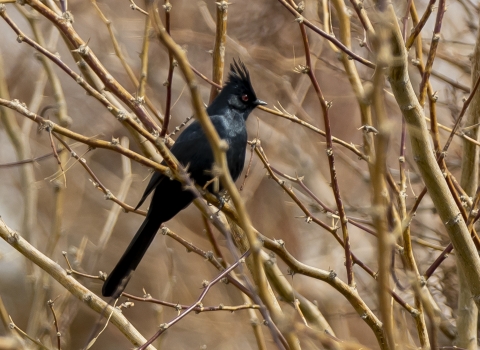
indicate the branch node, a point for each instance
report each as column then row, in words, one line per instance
column 222, row 5
column 422, row 281
column 167, row 7
column 67, row 17
column 408, row 107
column 102, row 275
column 368, row 128
column 82, row 50
column 108, row 195
column 138, row 101
column 299, row 19
column 454, row 220
column 301, row 7
column 301, row 68
column 12, row 238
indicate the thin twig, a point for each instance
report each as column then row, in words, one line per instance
column 330, row 155
column 197, row 309
column 55, row 322
column 207, row 287
column 25, row 335
column 302, row 20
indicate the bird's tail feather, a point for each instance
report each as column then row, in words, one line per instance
column 118, row 278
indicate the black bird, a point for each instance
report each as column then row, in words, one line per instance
column 228, row 113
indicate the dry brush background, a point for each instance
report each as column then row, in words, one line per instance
column 342, row 296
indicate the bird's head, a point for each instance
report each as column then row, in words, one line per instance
column 238, row 92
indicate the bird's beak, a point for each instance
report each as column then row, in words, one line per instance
column 260, row 103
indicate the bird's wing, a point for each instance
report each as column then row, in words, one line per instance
column 192, row 150
column 185, row 149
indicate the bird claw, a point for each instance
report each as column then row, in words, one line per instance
column 222, row 201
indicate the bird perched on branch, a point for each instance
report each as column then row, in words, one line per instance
column 228, row 113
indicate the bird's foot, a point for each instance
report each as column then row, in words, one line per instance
column 221, row 200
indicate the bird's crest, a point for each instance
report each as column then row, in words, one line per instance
column 239, row 76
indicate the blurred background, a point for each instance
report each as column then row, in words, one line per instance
column 58, row 213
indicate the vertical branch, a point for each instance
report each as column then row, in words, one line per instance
column 53, row 79
column 427, row 163
column 55, row 322
column 219, row 48
column 419, row 24
column 433, row 49
column 353, row 76
column 467, row 310
column 407, row 254
column 37, row 307
column 359, row 8
column 144, row 58
column 380, row 200
column 27, row 175
column 432, row 97
column 331, row 159
column 118, row 51
column 171, row 66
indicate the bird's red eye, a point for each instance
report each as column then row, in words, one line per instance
column 245, row 97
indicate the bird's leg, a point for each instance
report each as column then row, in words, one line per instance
column 221, row 199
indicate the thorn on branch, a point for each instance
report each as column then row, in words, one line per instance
column 222, row 5
column 167, row 7
column 301, row 68
column 82, row 50
column 299, row 19
column 67, row 17
column 301, row 7
column 368, row 128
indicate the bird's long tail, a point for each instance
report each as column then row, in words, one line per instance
column 118, row 278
